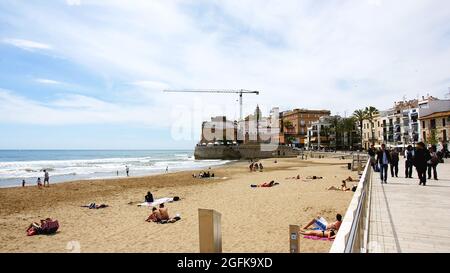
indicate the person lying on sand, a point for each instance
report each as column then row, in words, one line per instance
column 314, row 177
column 321, row 223
column 95, row 206
column 294, row 177
column 270, row 184
column 342, row 188
column 330, row 234
column 155, row 216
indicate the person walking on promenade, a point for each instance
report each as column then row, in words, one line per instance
column 394, row 162
column 420, row 162
column 409, row 155
column 46, row 178
column 383, row 159
column 371, row 153
column 433, row 162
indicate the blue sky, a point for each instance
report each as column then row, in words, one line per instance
column 83, row 74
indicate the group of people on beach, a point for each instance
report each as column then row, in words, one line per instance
column 420, row 157
column 39, row 181
column 203, row 175
column 255, row 166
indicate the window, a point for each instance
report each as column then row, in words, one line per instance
column 433, row 124
column 443, row 122
column 424, row 136
column 378, row 123
column 423, row 124
column 444, row 135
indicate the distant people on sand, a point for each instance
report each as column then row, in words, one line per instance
column 204, row 175
column 266, row 184
column 314, row 177
column 343, row 186
column 409, row 156
column 433, row 162
column 394, row 162
column 167, row 169
column 155, row 216
column 127, row 169
column 421, row 157
column 260, row 167
column 117, row 173
column 294, row 177
column 383, row 159
column 23, row 183
column 39, row 182
column 46, row 178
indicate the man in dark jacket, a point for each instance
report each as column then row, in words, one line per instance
column 394, row 162
column 421, row 156
column 383, row 159
column 409, row 155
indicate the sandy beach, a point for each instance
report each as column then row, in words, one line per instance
column 253, row 219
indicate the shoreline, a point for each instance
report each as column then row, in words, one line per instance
column 33, row 184
column 253, row 219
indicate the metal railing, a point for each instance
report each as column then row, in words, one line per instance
column 352, row 236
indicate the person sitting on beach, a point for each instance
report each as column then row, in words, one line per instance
column 294, row 177
column 322, row 224
column 39, row 183
column 149, row 197
column 155, row 216
column 164, row 212
column 212, row 175
column 251, row 167
column 260, row 167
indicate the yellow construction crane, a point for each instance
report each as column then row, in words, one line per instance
column 224, row 91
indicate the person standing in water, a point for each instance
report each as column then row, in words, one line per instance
column 46, row 178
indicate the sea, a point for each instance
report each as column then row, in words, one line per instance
column 69, row 165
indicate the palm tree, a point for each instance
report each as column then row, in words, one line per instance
column 360, row 116
column 349, row 124
column 370, row 112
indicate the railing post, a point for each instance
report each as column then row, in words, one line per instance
column 210, row 235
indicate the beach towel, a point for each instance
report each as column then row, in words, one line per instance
column 317, row 238
column 320, row 224
column 156, row 202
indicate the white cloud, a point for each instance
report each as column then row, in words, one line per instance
column 73, row 2
column 48, row 81
column 295, row 52
column 26, row 44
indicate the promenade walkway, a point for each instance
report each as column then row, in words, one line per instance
column 406, row 217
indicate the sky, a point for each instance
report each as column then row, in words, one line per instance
column 89, row 74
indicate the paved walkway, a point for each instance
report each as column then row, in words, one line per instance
column 406, row 217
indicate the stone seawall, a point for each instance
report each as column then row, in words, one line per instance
column 242, row 152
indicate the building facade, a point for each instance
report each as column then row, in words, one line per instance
column 434, row 120
column 295, row 123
